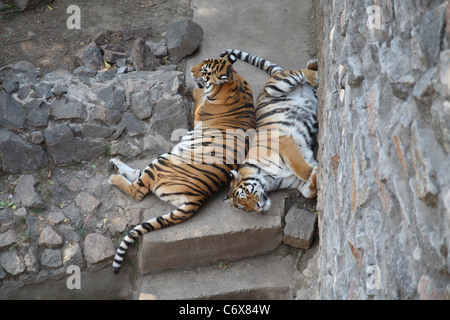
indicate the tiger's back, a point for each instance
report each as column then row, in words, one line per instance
column 201, row 163
column 288, row 103
column 282, row 155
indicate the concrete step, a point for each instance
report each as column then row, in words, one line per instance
column 217, row 232
column 267, row 276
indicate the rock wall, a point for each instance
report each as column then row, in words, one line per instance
column 384, row 144
column 58, row 129
column 57, row 133
column 64, row 118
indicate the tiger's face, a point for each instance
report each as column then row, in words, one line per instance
column 213, row 72
column 247, row 193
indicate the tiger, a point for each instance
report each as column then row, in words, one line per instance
column 199, row 165
column 286, row 124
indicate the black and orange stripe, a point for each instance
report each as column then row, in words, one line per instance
column 223, row 101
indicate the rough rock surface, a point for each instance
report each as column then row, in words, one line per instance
column 19, row 156
column 12, row 113
column 384, row 150
column 25, row 192
column 84, row 116
column 183, row 38
column 30, row 4
column 98, row 248
column 50, row 239
column 90, row 56
column 11, row 262
column 143, row 57
column 56, row 207
column 7, row 238
column 300, row 228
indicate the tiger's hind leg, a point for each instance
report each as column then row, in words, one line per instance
column 294, row 159
column 311, row 72
column 309, row 188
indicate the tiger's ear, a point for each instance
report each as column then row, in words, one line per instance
column 235, row 175
column 232, row 57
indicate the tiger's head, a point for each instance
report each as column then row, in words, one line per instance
column 247, row 191
column 211, row 73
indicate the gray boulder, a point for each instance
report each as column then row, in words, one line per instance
column 90, row 56
column 11, row 262
column 97, row 248
column 85, row 71
column 65, row 109
column 114, row 104
column 183, row 38
column 12, row 114
column 30, row 4
column 38, row 113
column 169, row 114
column 143, row 58
column 19, row 156
column 158, row 48
column 25, row 193
column 64, row 147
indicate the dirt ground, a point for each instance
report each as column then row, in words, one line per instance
column 41, row 35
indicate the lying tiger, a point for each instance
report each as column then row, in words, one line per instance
column 286, row 123
column 222, row 100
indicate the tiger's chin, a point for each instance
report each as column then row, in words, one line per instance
column 263, row 207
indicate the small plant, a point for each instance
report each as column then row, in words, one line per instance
column 7, row 204
column 8, row 10
column 12, row 186
column 79, row 231
column 35, row 210
column 223, row 266
column 311, row 209
column 74, row 165
column 107, row 150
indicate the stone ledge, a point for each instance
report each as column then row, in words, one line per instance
column 218, row 231
column 300, row 228
column 265, row 277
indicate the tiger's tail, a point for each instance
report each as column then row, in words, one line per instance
column 261, row 63
column 184, row 212
column 265, row 65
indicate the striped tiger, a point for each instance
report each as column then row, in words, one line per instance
column 282, row 154
column 200, row 164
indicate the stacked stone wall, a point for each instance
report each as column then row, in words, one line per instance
column 384, row 144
